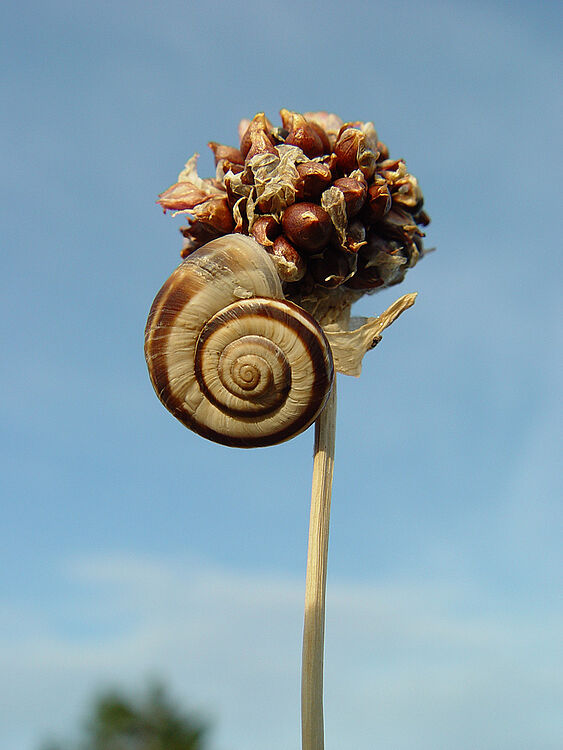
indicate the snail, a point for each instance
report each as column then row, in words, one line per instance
column 228, row 355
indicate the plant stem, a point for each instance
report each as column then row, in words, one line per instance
column 312, row 727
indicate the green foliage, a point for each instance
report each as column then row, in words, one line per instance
column 118, row 722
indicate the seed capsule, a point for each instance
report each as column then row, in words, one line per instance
column 303, row 135
column 352, row 153
column 382, row 150
column 265, row 230
column 229, row 153
column 290, row 265
column 314, row 177
column 195, row 236
column 259, row 123
column 307, row 226
column 332, row 269
column 355, row 193
column 355, row 238
column 367, row 278
column 260, row 143
column 215, row 212
column 378, row 201
column 323, row 135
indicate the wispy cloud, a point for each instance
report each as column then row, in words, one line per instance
column 412, row 665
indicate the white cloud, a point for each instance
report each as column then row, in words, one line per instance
column 407, row 664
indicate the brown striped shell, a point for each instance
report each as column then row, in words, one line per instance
column 230, row 357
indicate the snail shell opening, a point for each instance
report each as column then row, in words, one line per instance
column 230, row 357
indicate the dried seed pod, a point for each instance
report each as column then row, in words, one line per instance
column 307, row 226
column 304, row 135
column 346, row 148
column 355, row 238
column 291, row 266
column 406, row 192
column 422, row 218
column 231, row 358
column 355, row 193
column 398, row 224
column 352, row 153
column 389, row 166
column 327, row 123
column 279, row 135
column 331, row 269
column 314, row 177
column 365, row 279
column 280, row 191
column 259, row 123
column 323, row 135
column 260, row 143
column 225, row 166
column 378, row 200
column 215, row 213
column 383, row 151
column 265, row 230
column 195, row 236
column 228, row 153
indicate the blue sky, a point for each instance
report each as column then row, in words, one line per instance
column 131, row 547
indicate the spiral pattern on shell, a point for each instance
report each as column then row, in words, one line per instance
column 230, row 357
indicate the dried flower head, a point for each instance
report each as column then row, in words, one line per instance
column 339, row 217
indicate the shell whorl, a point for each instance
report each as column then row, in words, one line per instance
column 230, row 357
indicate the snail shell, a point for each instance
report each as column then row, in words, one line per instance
column 230, row 357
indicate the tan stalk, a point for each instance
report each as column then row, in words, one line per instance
column 312, row 727
column 348, row 349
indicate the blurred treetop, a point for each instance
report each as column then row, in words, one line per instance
column 153, row 722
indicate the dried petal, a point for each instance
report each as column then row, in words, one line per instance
column 240, row 216
column 349, row 346
column 236, row 188
column 390, row 268
column 181, row 197
column 279, row 135
column 406, row 192
column 189, row 174
column 334, row 203
column 224, row 166
column 275, row 178
column 370, row 134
